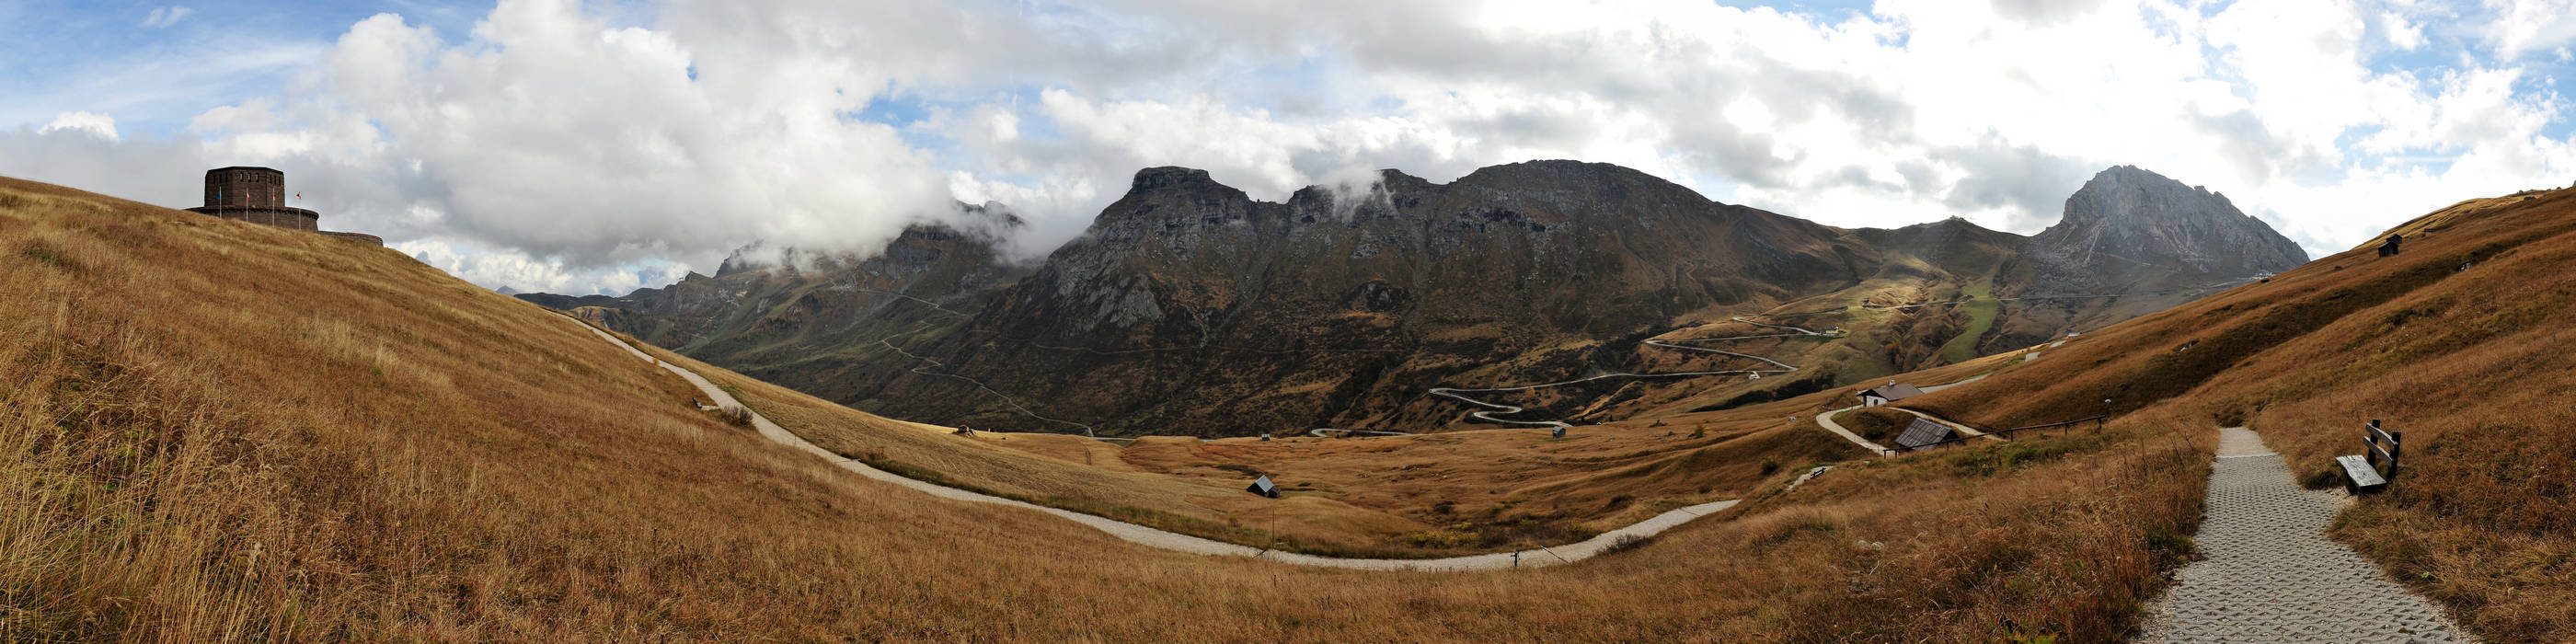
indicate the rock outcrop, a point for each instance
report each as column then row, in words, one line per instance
column 2130, row 230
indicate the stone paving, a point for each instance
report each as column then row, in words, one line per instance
column 2271, row 574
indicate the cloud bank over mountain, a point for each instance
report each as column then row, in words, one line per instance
column 554, row 145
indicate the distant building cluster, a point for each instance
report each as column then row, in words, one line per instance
column 258, row 195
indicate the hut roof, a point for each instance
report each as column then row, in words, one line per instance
column 1923, row 432
column 1895, row 392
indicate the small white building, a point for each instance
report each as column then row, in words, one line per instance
column 1892, row 392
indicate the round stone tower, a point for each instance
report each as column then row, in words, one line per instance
column 255, row 195
column 245, row 187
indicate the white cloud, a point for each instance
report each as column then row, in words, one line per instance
column 2521, row 26
column 99, row 125
column 561, row 147
column 166, row 16
column 163, row 172
column 556, row 134
column 496, row 268
column 2402, row 33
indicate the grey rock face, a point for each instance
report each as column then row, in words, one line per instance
column 2130, row 229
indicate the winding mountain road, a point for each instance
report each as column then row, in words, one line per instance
column 1488, row 413
column 1493, row 408
column 1532, row 558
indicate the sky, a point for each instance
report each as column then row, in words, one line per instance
column 597, row 147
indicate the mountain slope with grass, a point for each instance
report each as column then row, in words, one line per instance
column 2459, row 342
column 222, row 431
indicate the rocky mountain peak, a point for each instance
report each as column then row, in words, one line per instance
column 1563, row 176
column 2129, row 227
column 1170, row 176
column 2124, row 189
column 1170, row 198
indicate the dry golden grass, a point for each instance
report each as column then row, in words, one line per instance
column 2471, row 362
column 219, row 431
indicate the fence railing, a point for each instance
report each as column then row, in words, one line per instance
column 2096, row 421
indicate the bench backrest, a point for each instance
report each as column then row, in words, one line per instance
column 2382, row 447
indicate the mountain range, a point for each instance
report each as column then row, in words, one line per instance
column 1190, row 308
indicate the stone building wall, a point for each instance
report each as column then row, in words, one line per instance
column 245, row 187
column 258, row 195
column 291, row 218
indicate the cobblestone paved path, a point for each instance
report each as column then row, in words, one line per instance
column 2272, row 576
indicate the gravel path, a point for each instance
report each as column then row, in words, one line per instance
column 1544, row 556
column 2272, row 576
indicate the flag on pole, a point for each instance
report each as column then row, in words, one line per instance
column 1263, row 487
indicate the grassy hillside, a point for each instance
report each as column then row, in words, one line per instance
column 2460, row 342
column 220, row 431
column 1980, row 309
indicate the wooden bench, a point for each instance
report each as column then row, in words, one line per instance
column 2359, row 474
column 2369, row 470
